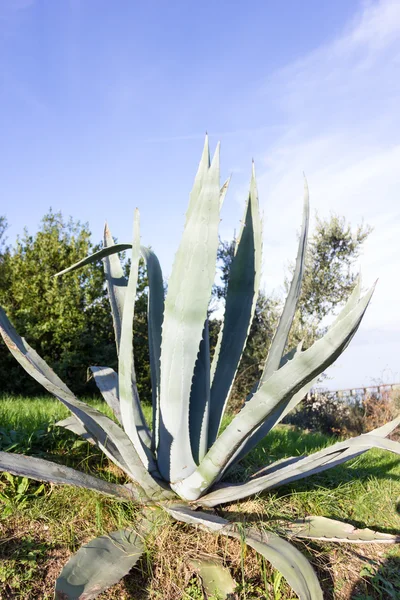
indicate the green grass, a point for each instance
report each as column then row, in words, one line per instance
column 30, row 414
column 40, row 525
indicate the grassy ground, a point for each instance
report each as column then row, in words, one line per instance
column 41, row 525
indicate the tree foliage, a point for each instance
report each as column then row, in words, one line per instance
column 66, row 319
column 4, row 250
column 329, row 275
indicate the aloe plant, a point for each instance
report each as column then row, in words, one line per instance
column 181, row 464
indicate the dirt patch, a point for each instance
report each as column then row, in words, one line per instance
column 31, row 560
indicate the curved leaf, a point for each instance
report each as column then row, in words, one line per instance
column 111, row 438
column 273, row 395
column 132, row 415
column 351, row 303
column 201, row 175
column 281, row 554
column 98, row 565
column 215, row 578
column 107, row 381
column 186, row 304
column 331, row 530
column 73, row 424
column 45, row 470
column 274, row 418
column 96, row 256
column 116, row 284
column 285, row 322
column 291, row 469
column 200, row 399
column 241, row 299
column 280, row 413
column 32, row 355
column 155, row 317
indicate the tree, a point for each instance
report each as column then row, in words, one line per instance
column 329, row 275
column 328, row 280
column 3, row 229
column 65, row 319
column 3, row 251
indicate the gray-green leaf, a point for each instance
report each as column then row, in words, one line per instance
column 215, row 578
column 331, row 530
column 116, row 284
column 281, row 554
column 132, row 415
column 96, row 256
column 241, row 299
column 155, row 317
column 186, row 304
column 280, row 338
column 107, row 381
column 290, row 469
column 98, row 565
column 45, row 470
column 272, row 396
column 112, row 439
column 200, row 399
column 76, row 426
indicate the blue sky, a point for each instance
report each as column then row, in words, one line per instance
column 104, row 106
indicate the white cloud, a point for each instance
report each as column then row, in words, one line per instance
column 341, row 105
column 378, row 24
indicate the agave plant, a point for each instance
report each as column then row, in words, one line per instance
column 181, row 464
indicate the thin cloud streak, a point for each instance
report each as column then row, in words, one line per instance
column 341, row 104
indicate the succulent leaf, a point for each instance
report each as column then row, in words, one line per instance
column 98, row 565
column 186, row 304
column 281, row 335
column 155, row 316
column 331, row 530
column 31, row 354
column 273, row 395
column 132, row 415
column 116, row 284
column 291, row 354
column 281, row 554
column 223, row 192
column 199, row 409
column 96, row 256
column 201, row 175
column 241, row 299
column 75, row 425
column 352, row 301
column 111, row 438
column 107, row 381
column 216, row 579
column 290, row 469
column 276, row 416
column 45, row 470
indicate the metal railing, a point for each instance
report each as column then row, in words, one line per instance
column 358, row 393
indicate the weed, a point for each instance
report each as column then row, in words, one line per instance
column 15, row 495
